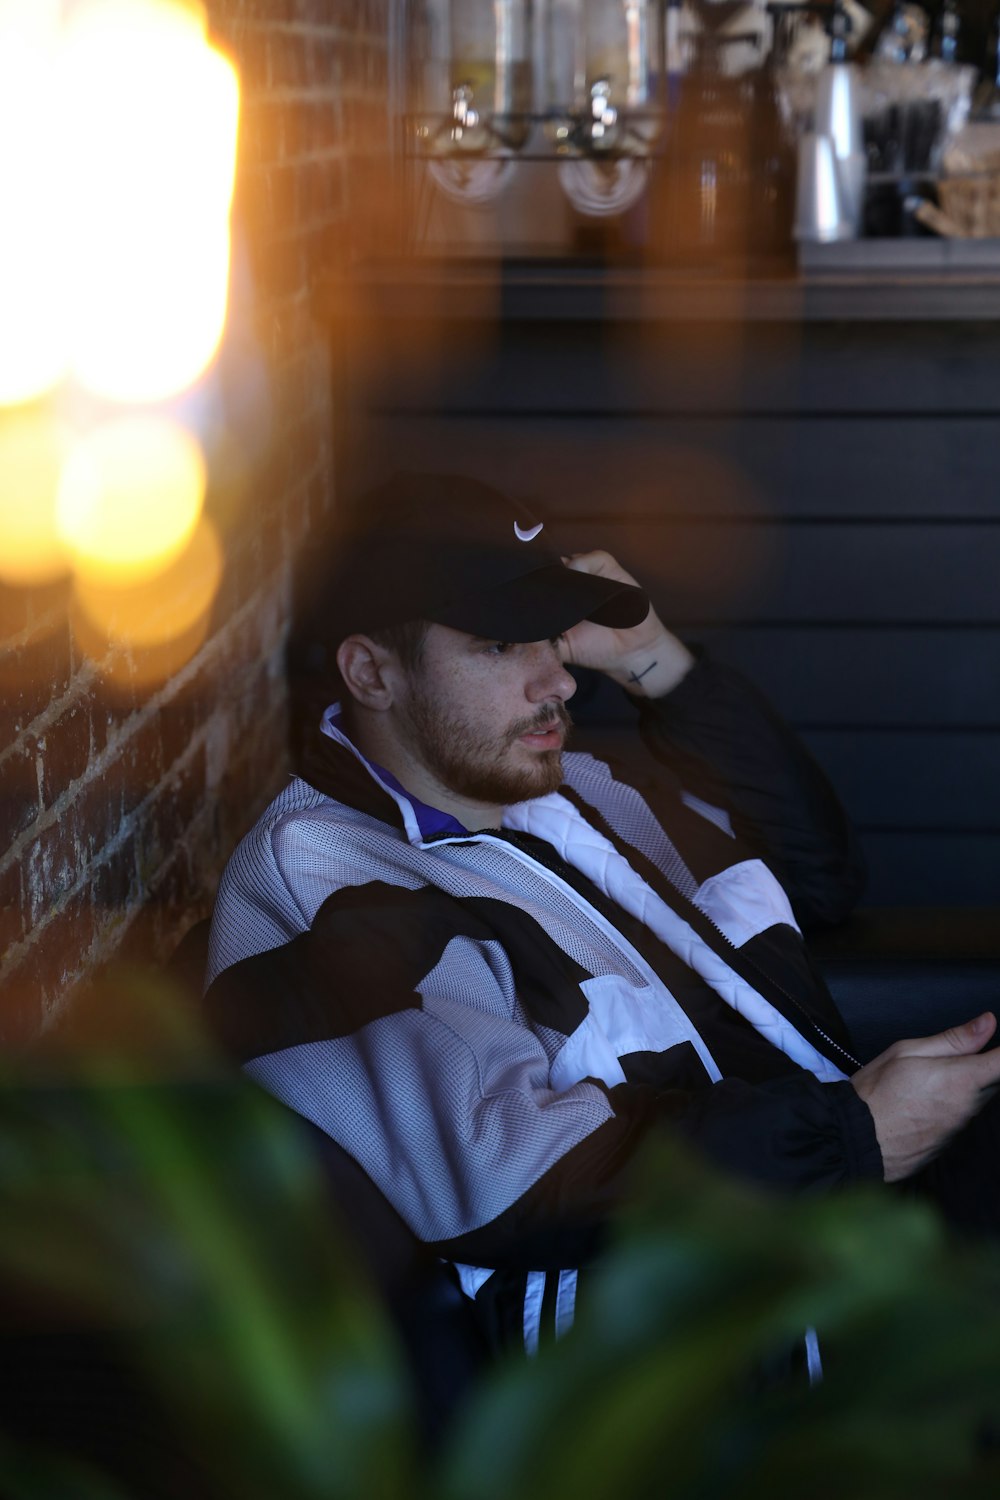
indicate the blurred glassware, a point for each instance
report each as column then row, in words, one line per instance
column 838, row 116
column 602, row 189
column 946, row 32
column 909, row 114
column 904, row 39
column 823, row 211
column 704, row 208
column 772, row 154
column 470, row 180
column 603, row 61
column 471, row 74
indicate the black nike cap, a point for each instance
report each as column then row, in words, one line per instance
column 455, row 551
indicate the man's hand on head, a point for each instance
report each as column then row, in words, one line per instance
column 647, row 660
column 923, row 1090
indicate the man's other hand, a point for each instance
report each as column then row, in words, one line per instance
column 647, row 660
column 921, row 1091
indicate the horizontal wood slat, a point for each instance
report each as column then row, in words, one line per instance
column 879, row 677
column 754, row 572
column 848, row 467
column 529, row 369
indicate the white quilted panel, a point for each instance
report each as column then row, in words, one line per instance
column 743, row 900
column 557, row 820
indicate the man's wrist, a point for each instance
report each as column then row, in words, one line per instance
column 654, row 671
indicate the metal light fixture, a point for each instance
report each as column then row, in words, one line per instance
column 573, row 81
column 602, row 71
column 471, row 89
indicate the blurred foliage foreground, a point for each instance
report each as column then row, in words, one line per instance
column 184, row 1317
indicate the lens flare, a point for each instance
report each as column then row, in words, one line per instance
column 151, row 158
column 130, row 497
column 33, row 448
column 161, row 609
column 33, row 313
column 142, row 635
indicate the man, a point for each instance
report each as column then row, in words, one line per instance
column 488, row 968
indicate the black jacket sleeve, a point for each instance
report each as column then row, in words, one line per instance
column 727, row 745
column 791, row 1135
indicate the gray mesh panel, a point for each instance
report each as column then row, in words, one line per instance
column 629, row 815
column 405, row 1092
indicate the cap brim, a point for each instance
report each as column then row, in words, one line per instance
column 545, row 603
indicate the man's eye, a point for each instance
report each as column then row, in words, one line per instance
column 498, row 648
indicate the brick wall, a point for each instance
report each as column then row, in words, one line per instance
column 120, row 801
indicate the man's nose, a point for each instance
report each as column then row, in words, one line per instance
column 549, row 678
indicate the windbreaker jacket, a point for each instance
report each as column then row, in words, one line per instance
column 490, row 1023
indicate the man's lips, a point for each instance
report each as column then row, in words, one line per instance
column 548, row 737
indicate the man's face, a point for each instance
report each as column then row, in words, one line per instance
column 488, row 719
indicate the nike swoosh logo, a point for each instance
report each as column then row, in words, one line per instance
column 525, row 534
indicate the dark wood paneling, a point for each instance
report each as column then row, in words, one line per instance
column 704, row 466
column 918, row 779
column 879, row 677
column 809, row 572
column 674, row 368
column 818, row 500
column 852, row 677
column 932, row 869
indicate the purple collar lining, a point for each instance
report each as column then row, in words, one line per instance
column 431, row 821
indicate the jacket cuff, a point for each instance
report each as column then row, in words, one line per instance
column 793, row 1133
column 864, row 1155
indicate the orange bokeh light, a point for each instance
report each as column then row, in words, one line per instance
column 130, row 496
column 33, row 448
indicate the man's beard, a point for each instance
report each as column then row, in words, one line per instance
column 472, row 764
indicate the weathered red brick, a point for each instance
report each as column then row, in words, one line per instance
column 65, row 750
column 60, row 950
column 141, row 764
column 95, row 814
column 12, row 913
column 21, row 1007
column 52, row 865
column 20, row 800
column 287, row 188
column 106, row 754
column 115, row 881
column 110, row 704
column 187, row 708
column 15, row 611
column 31, row 676
column 177, row 803
column 280, row 267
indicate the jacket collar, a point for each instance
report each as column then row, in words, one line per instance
column 335, row 766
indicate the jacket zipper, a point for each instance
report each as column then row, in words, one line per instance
column 510, row 840
column 755, row 967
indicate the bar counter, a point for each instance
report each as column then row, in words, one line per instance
column 877, row 280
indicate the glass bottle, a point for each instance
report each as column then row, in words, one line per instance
column 946, row 32
column 611, row 43
column 473, row 69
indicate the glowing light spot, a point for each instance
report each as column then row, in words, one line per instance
column 152, row 158
column 143, row 635
column 163, row 608
column 130, row 498
column 33, row 324
column 33, row 447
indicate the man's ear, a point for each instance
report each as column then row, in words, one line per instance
column 363, row 665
